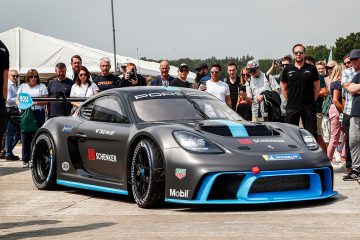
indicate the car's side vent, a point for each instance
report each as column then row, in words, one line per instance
column 86, row 111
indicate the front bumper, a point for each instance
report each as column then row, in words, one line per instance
column 264, row 187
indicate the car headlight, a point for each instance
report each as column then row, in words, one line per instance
column 309, row 140
column 195, row 143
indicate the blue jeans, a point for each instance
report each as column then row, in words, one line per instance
column 12, row 138
column 26, row 138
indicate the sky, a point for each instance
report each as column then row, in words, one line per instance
column 166, row 29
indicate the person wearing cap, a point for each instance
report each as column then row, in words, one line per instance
column 329, row 69
column 301, row 87
column 180, row 81
column 347, row 76
column 58, row 87
column 259, row 83
column 354, row 132
column 202, row 72
column 164, row 78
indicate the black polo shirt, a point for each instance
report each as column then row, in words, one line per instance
column 300, row 86
column 234, row 90
column 355, row 109
column 179, row 83
column 107, row 82
column 4, row 64
column 59, row 108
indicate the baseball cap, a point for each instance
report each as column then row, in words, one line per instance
column 201, row 66
column 252, row 64
column 331, row 63
column 354, row 54
column 183, row 65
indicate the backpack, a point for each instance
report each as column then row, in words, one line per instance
column 326, row 104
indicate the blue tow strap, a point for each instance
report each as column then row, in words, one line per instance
column 236, row 129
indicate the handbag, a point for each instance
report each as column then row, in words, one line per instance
column 326, row 104
column 28, row 121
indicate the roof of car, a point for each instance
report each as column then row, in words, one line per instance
column 147, row 89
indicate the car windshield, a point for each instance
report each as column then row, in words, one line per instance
column 162, row 107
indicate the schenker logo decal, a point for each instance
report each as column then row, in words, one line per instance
column 93, row 155
column 179, row 193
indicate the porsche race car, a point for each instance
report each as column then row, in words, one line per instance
column 180, row 146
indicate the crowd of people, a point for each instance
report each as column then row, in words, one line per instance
column 323, row 98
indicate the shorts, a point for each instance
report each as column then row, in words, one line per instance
column 325, row 125
column 319, row 118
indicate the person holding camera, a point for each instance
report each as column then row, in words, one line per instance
column 132, row 78
column 106, row 80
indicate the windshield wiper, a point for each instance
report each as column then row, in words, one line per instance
column 196, row 105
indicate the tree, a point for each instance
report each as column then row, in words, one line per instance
column 343, row 46
column 320, row 52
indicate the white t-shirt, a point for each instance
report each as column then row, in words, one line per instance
column 38, row 90
column 83, row 90
column 218, row 89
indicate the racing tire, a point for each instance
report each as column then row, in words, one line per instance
column 43, row 162
column 147, row 174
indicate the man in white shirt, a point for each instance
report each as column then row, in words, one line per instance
column 216, row 87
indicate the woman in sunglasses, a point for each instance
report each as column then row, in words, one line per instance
column 34, row 88
column 243, row 106
column 83, row 87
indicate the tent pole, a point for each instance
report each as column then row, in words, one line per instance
column 113, row 26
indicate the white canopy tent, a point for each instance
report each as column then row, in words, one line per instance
column 32, row 50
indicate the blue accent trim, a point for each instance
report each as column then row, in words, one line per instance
column 236, row 129
column 170, row 88
column 314, row 192
column 91, row 187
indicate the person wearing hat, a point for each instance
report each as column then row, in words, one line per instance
column 354, row 131
column 202, row 72
column 329, row 69
column 259, row 83
column 180, row 81
column 164, row 78
column 301, row 86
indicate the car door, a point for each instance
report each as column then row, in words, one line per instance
column 102, row 140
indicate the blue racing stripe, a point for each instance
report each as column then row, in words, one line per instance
column 91, row 187
column 236, row 129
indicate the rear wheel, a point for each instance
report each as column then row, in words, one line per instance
column 147, row 174
column 43, row 159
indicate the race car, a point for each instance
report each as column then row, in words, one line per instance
column 180, row 146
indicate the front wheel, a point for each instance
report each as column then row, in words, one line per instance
column 43, row 162
column 147, row 174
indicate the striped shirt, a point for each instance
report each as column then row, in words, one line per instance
column 347, row 75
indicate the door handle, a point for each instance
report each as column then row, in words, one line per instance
column 81, row 135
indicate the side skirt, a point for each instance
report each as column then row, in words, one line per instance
column 91, row 187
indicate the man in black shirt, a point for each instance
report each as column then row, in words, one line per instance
column 180, row 81
column 58, row 87
column 4, row 72
column 106, row 80
column 233, row 80
column 301, row 86
column 354, row 131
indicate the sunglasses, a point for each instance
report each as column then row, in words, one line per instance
column 246, row 74
column 284, row 65
column 15, row 76
column 298, row 53
column 82, row 74
column 34, row 76
column 214, row 72
column 183, row 70
column 347, row 63
column 353, row 59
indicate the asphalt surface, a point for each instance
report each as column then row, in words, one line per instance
column 28, row 213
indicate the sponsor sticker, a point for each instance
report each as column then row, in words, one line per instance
column 105, row 132
column 180, row 173
column 282, row 157
column 268, row 140
column 179, row 193
column 93, row 155
column 67, row 129
column 245, row 141
column 65, row 166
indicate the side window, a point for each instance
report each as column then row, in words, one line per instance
column 109, row 109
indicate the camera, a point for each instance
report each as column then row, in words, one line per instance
column 277, row 61
column 132, row 75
